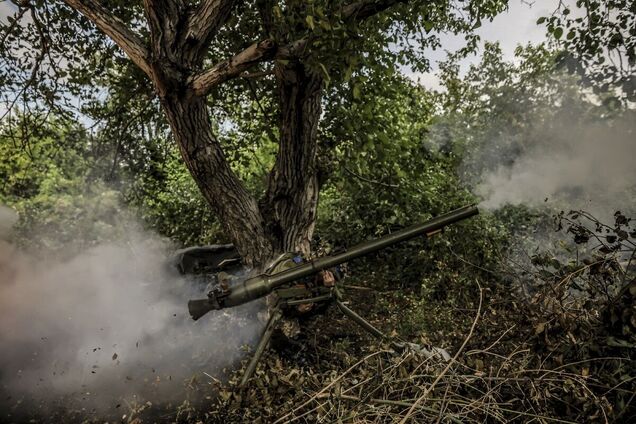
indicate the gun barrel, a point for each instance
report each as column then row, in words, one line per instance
column 261, row 285
column 428, row 228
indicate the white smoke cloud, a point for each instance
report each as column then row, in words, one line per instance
column 588, row 166
column 107, row 325
column 8, row 218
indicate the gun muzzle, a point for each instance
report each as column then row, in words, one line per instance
column 199, row 307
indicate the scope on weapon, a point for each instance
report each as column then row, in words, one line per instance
column 264, row 284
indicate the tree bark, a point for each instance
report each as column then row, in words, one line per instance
column 236, row 209
column 289, row 205
column 178, row 40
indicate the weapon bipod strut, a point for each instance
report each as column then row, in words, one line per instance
column 276, row 314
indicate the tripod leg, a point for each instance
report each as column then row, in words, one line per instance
column 262, row 344
column 359, row 320
column 397, row 346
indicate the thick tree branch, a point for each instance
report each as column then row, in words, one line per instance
column 235, row 207
column 289, row 205
column 202, row 83
column 205, row 23
column 113, row 27
column 164, row 19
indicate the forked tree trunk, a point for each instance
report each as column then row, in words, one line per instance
column 284, row 219
column 179, row 38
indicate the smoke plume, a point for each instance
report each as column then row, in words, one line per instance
column 569, row 165
column 106, row 328
column 8, row 218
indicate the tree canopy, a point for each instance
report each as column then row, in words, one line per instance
column 226, row 77
column 598, row 38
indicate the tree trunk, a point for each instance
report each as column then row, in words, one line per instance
column 284, row 219
column 236, row 209
column 289, row 205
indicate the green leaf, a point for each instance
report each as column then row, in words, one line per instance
column 356, row 92
column 310, row 21
column 325, row 25
column 325, row 73
column 541, row 20
column 558, row 33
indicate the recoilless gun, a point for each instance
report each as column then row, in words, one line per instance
column 289, row 293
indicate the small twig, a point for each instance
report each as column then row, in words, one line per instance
column 387, row 402
column 257, row 74
column 352, row 287
column 16, row 19
column 327, row 387
column 367, row 180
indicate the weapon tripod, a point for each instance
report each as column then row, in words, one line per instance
column 294, row 296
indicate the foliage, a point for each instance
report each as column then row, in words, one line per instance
column 501, row 109
column 579, row 307
column 67, row 59
column 59, row 178
column 565, row 352
column 173, row 206
column 47, row 178
column 598, row 41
